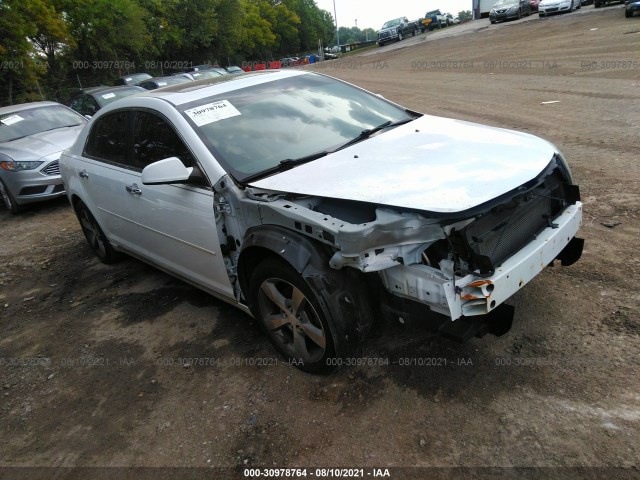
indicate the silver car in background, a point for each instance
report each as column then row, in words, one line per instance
column 32, row 137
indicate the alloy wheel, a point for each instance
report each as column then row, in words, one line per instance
column 291, row 320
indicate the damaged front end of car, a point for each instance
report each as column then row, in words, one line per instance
column 461, row 265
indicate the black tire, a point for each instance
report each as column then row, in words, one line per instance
column 492, row 22
column 291, row 314
column 596, row 4
column 519, row 13
column 9, row 201
column 400, row 37
column 628, row 13
column 96, row 238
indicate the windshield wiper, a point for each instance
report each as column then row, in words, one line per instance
column 61, row 126
column 286, row 164
column 370, row 131
column 294, row 162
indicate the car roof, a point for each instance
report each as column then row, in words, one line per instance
column 163, row 79
column 207, row 87
column 97, row 88
column 106, row 89
column 26, row 106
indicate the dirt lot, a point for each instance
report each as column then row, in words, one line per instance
column 90, row 354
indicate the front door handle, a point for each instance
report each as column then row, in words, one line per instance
column 133, row 189
column 83, row 174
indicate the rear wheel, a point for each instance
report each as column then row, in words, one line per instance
column 9, row 201
column 95, row 236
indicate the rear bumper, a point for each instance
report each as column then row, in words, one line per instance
column 472, row 295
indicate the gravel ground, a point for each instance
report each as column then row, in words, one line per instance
column 91, row 372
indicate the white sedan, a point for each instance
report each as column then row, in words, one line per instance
column 319, row 208
column 547, row 7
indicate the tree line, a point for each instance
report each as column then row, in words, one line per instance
column 48, row 47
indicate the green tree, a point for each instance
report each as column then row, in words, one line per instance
column 18, row 68
column 108, row 30
column 258, row 36
column 465, row 15
column 52, row 35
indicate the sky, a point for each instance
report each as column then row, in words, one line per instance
column 373, row 13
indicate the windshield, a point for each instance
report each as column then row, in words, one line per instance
column 391, row 23
column 23, row 123
column 105, row 98
column 505, row 2
column 255, row 128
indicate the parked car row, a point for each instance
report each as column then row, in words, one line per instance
column 514, row 9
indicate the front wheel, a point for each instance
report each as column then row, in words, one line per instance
column 95, row 236
column 399, row 36
column 289, row 312
column 9, row 201
column 628, row 13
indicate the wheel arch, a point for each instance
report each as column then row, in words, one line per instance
column 262, row 242
column 339, row 291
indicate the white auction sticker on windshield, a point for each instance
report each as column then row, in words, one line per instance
column 107, row 96
column 11, row 119
column 212, row 112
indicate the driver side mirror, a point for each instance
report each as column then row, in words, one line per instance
column 167, row 171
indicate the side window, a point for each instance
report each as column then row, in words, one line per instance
column 154, row 139
column 91, row 106
column 77, row 105
column 109, row 139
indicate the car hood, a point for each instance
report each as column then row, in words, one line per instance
column 39, row 145
column 432, row 163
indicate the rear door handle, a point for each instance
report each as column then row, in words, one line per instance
column 133, row 189
column 83, row 174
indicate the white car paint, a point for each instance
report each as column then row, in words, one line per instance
column 434, row 164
